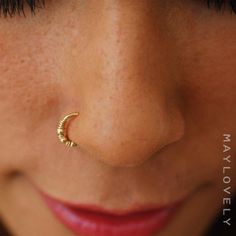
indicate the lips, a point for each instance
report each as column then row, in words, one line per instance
column 85, row 220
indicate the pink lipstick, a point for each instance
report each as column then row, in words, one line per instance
column 89, row 220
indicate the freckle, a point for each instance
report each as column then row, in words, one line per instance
column 95, row 125
column 122, row 143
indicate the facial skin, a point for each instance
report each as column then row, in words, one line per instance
column 154, row 83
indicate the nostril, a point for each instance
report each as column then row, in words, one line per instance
column 177, row 128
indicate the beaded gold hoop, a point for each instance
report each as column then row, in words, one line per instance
column 61, row 130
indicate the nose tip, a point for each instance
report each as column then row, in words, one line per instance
column 126, row 139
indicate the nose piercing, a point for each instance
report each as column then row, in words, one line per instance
column 61, row 130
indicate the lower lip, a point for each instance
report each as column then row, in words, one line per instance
column 86, row 222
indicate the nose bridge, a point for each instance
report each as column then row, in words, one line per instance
column 125, row 114
column 125, row 38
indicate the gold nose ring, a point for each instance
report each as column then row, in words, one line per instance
column 61, row 130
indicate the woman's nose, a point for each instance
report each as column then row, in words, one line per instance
column 127, row 99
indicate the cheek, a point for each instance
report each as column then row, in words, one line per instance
column 209, row 71
column 208, row 85
column 33, row 62
column 206, row 42
column 29, row 94
column 28, row 80
column 205, row 49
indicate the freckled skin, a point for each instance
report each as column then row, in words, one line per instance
column 154, row 83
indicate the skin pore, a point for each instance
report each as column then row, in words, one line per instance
column 154, row 83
